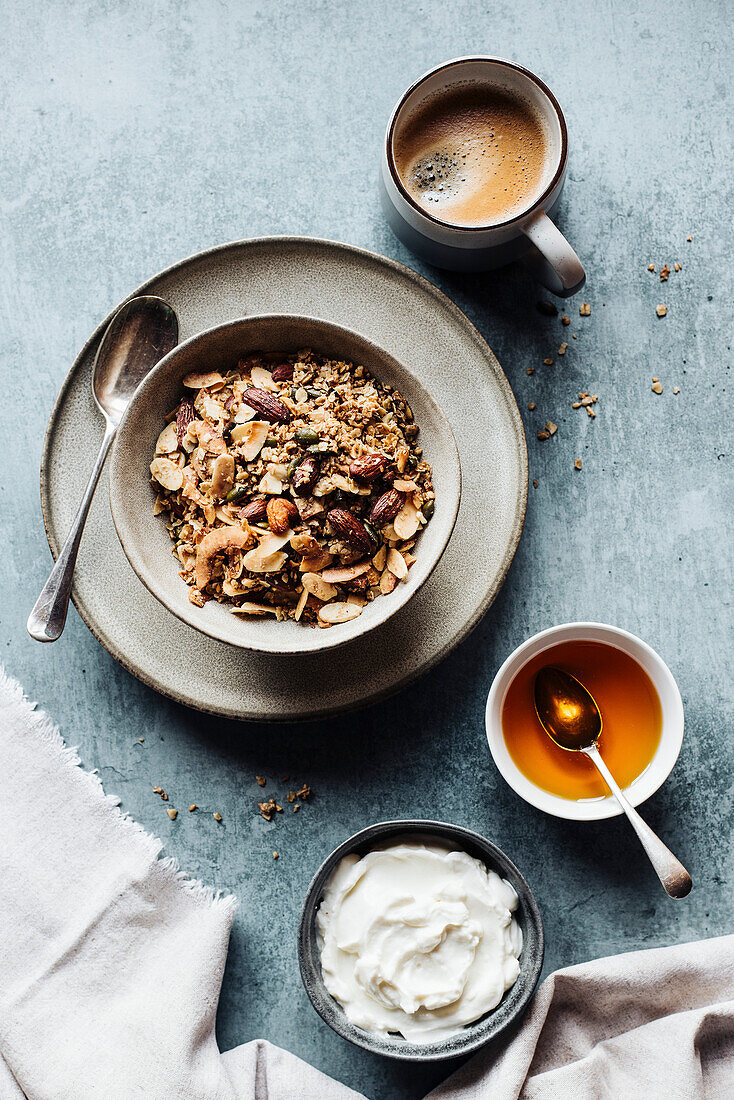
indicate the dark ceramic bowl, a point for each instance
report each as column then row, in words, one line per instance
column 475, row 1035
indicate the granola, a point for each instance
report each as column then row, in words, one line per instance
column 292, row 485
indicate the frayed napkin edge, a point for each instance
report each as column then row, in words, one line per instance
column 15, row 707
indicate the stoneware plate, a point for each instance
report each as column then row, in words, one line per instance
column 515, row 1000
column 421, row 328
column 144, row 537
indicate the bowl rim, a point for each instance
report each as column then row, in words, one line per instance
column 138, row 561
column 310, row 968
column 671, row 735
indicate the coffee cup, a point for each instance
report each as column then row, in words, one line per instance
column 473, row 167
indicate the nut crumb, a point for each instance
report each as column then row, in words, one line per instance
column 530, row 370
column 676, row 389
column 141, row 740
column 158, row 790
column 584, row 309
column 577, row 464
column 689, row 238
column 651, row 267
column 542, row 436
column 678, row 267
column 565, row 320
column 657, row 387
column 193, row 807
column 531, row 406
column 548, row 362
column 551, row 428
column 173, row 814
column 304, row 793
column 297, row 807
column 661, row 310
column 591, row 412
column 261, row 781
column 562, row 349
column 664, row 272
column 535, row 483
column 275, row 855
column 217, row 816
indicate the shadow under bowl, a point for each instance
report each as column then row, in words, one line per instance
column 473, row 1036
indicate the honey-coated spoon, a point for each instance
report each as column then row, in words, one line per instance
column 570, row 716
column 138, row 336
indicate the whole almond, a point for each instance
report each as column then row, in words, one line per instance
column 349, row 528
column 254, row 511
column 386, row 507
column 368, row 468
column 305, row 476
column 282, row 514
column 283, row 372
column 183, row 418
column 267, row 404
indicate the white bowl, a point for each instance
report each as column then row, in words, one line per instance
column 671, row 737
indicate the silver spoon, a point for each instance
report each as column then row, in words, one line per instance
column 570, row 716
column 138, row 336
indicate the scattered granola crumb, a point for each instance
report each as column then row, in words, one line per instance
column 261, row 780
column 531, row 405
column 551, row 428
column 655, row 379
column 591, row 412
column 217, row 816
column 542, row 436
column 678, row 267
column 651, row 267
column 661, row 310
column 193, row 807
column 657, row 387
column 267, row 809
column 173, row 814
column 304, row 793
column 164, row 796
column 548, row 362
column 664, row 272
column 585, row 309
column 530, row 370
column 275, row 855
column 574, row 336
column 297, row 807
column 285, row 779
column 565, row 320
column 291, row 796
column 548, row 309
column 535, row 483
column 689, row 238
column 577, row 464
column 158, row 790
column 141, row 740
column 562, row 349
column 676, row 390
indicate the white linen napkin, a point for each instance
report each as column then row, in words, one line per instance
column 111, row 962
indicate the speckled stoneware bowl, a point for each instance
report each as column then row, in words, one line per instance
column 144, row 537
column 472, row 1037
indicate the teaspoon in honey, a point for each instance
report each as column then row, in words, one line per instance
column 570, row 716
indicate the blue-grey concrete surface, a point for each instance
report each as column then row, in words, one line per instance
column 134, row 135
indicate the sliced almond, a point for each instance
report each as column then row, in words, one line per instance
column 379, row 559
column 270, row 484
column 404, row 486
column 249, row 608
column 318, row 587
column 341, row 573
column 257, row 562
column 396, row 564
column 262, row 379
column 302, row 600
column 167, row 440
column 244, row 413
column 388, row 581
column 250, row 438
column 407, row 521
column 206, row 379
column 315, row 563
column 167, row 473
column 339, row 612
column 222, row 476
column 225, row 515
column 338, row 481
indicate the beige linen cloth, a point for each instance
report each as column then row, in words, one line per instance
column 111, row 962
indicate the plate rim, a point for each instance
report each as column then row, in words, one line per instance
column 279, row 240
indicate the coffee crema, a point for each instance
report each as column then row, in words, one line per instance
column 473, row 155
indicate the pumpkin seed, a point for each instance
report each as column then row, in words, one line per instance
column 306, row 436
column 271, row 441
column 428, row 508
column 236, row 494
column 373, row 533
column 292, row 466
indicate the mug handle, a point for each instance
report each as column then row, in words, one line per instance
column 552, row 260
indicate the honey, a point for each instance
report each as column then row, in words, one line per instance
column 631, row 721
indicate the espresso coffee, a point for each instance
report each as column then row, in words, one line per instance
column 473, row 155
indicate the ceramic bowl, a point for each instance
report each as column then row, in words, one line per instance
column 671, row 736
column 144, row 537
column 475, row 1035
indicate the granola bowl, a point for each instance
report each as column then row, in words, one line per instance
column 471, row 1037
column 282, row 484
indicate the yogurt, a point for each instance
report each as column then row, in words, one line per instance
column 417, row 938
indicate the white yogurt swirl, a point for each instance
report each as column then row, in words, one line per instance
column 417, row 938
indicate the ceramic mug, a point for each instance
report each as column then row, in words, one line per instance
column 530, row 235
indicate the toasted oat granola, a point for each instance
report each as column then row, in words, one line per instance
column 292, row 485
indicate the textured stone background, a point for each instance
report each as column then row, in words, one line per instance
column 132, row 138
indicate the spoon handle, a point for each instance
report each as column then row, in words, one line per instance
column 46, row 620
column 675, row 879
